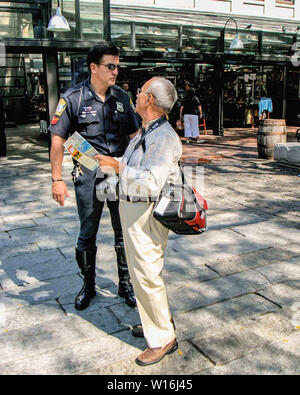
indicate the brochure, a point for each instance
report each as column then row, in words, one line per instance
column 82, row 151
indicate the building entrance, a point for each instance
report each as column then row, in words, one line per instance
column 22, row 87
column 245, row 86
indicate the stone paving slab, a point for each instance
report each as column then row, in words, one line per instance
column 7, row 219
column 218, row 316
column 7, row 226
column 99, row 315
column 184, row 361
column 44, row 337
column 70, row 220
column 286, row 294
column 42, row 265
column 269, row 231
column 8, row 210
column 236, row 341
column 81, row 357
column 185, row 275
column 194, row 295
column 13, row 251
column 255, row 259
column 4, row 238
column 229, row 218
column 208, row 247
column 18, row 313
column 41, row 291
column 230, row 344
column 43, row 236
column 278, row 358
column 23, row 193
column 22, row 198
column 283, row 271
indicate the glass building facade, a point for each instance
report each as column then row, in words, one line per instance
column 179, row 44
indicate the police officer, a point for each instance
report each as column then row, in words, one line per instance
column 102, row 113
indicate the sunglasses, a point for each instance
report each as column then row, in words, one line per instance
column 110, row 66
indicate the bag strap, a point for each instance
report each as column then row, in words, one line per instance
column 80, row 97
column 160, row 121
column 184, row 181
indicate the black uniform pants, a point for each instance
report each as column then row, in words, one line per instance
column 90, row 211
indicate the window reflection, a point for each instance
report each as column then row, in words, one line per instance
column 72, row 69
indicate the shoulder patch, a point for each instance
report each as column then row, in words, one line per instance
column 62, row 104
column 54, row 120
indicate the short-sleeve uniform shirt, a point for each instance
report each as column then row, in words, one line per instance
column 105, row 125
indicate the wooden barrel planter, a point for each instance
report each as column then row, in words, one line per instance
column 270, row 132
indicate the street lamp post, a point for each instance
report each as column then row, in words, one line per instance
column 235, row 46
column 236, row 43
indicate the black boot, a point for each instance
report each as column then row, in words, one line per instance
column 86, row 261
column 125, row 286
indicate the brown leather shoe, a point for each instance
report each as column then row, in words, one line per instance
column 154, row 355
column 137, row 330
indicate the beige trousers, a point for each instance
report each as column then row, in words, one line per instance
column 145, row 240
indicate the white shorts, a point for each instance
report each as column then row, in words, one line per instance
column 191, row 125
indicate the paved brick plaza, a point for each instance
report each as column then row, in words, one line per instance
column 234, row 291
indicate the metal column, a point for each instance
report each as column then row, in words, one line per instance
column 284, row 93
column 106, row 21
column 51, row 86
column 219, row 102
column 78, row 30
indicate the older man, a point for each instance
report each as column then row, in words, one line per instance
column 150, row 160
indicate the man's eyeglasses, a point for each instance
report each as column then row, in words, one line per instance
column 110, row 66
column 139, row 91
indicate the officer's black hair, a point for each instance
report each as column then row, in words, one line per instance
column 97, row 51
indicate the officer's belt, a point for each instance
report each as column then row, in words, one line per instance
column 137, row 199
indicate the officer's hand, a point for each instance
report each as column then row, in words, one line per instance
column 59, row 191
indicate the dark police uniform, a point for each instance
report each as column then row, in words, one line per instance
column 106, row 126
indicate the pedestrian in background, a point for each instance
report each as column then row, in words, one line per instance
column 126, row 89
column 101, row 112
column 190, row 112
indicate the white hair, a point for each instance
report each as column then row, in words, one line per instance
column 164, row 93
